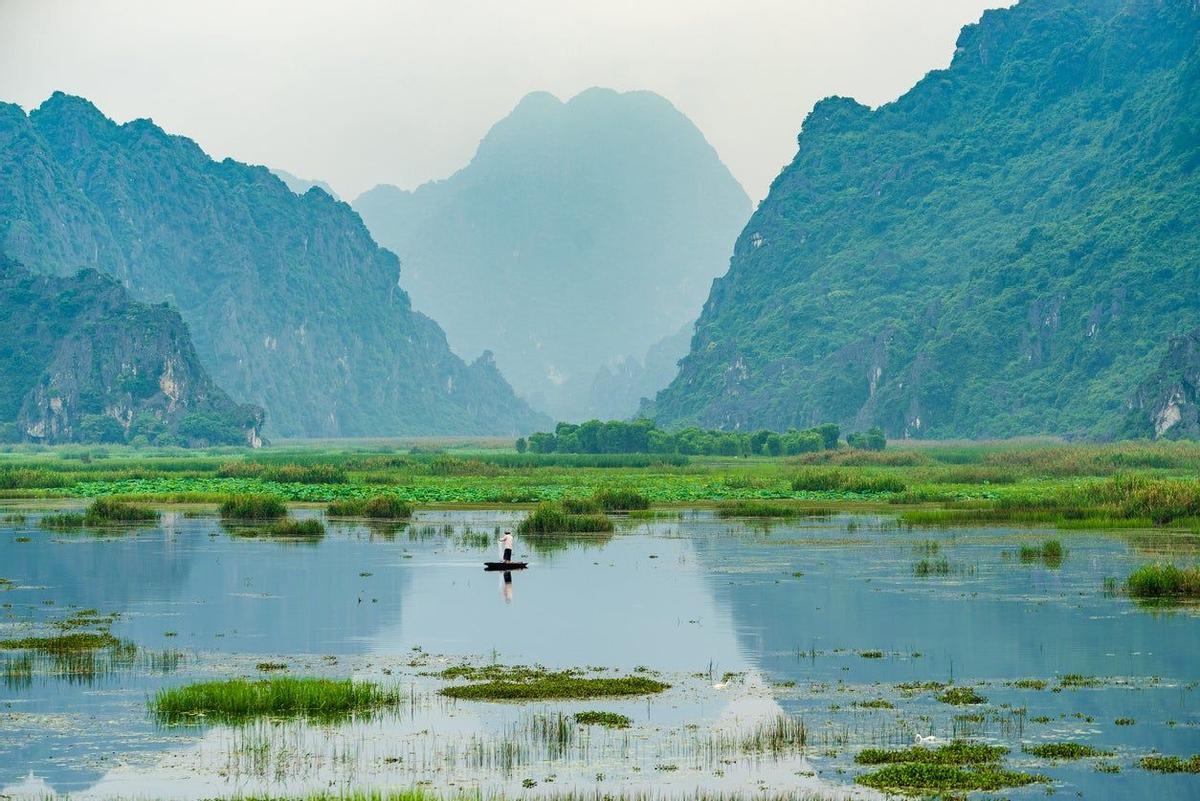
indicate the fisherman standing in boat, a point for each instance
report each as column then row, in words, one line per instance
column 506, row 542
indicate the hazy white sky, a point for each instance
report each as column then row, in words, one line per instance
column 360, row 92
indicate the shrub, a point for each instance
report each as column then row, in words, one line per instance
column 253, row 507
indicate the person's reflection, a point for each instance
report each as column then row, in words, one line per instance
column 506, row 587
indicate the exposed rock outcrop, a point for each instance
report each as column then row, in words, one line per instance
column 1167, row 405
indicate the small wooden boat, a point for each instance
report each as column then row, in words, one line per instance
column 505, row 565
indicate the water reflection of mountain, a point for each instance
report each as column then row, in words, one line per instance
column 1005, row 621
column 214, row 592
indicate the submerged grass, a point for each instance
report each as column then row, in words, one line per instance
column 1170, row 764
column 920, row 778
column 237, row 700
column 500, row 683
column 1065, row 751
column 610, row 720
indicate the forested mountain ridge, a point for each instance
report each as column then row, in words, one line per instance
column 80, row 361
column 290, row 302
column 581, row 233
column 1006, row 249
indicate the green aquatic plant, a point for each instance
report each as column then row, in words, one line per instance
column 62, row 521
column 621, row 499
column 960, row 696
column 956, row 752
column 611, row 720
column 919, row 777
column 580, row 506
column 498, row 683
column 931, row 567
column 551, row 519
column 1065, row 751
column 380, row 507
column 237, row 700
column 819, row 480
column 1164, row 582
column 253, row 507
column 108, row 510
column 1170, row 764
column 781, row 734
column 1049, row 553
column 755, row 509
column 289, row 528
column 73, row 642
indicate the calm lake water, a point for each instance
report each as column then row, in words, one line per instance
column 745, row 622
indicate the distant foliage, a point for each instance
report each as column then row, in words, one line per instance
column 643, row 436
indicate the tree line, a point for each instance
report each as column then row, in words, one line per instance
column 644, row 436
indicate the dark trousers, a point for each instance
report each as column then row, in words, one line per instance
column 508, row 554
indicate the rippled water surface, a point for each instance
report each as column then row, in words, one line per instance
column 810, row 619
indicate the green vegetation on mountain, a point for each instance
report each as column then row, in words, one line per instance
column 290, row 303
column 1006, row 249
column 581, row 233
column 81, row 362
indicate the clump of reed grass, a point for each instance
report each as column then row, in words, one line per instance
column 289, row 528
column 610, row 720
column 1065, row 751
column 1031, row 684
column 548, row 518
column 316, row 473
column 961, row 696
column 1170, row 764
column 761, row 509
column 932, row 567
column 380, row 507
column 620, row 500
column 1049, row 552
column 253, row 507
column 1164, row 582
column 107, row 510
column 580, row 506
column 815, row 480
column 62, row 521
column 780, row 735
column 237, row 700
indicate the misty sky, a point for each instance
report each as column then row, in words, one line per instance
column 362, row 92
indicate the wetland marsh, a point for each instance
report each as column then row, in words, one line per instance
column 822, row 652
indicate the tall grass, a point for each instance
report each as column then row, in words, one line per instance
column 1166, row 582
column 815, row 480
column 108, row 510
column 551, row 519
column 253, row 507
column 380, row 507
column 237, row 700
column 621, row 500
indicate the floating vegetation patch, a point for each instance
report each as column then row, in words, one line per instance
column 379, row 507
column 237, row 700
column 1065, row 751
column 920, row 778
column 63, row 643
column 1077, row 680
column 548, row 518
column 611, row 720
column 961, row 696
column 271, row 667
column 1164, row 582
column 875, row 703
column 1170, row 764
column 1031, row 684
column 253, row 507
column 958, row 752
column 871, row 654
column 107, row 510
column 63, row 521
column 499, row 683
column 283, row 529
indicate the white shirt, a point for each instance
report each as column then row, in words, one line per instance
column 506, row 540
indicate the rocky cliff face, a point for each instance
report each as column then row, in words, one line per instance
column 80, row 361
column 582, row 232
column 290, row 302
column 1004, row 250
column 1167, row 405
